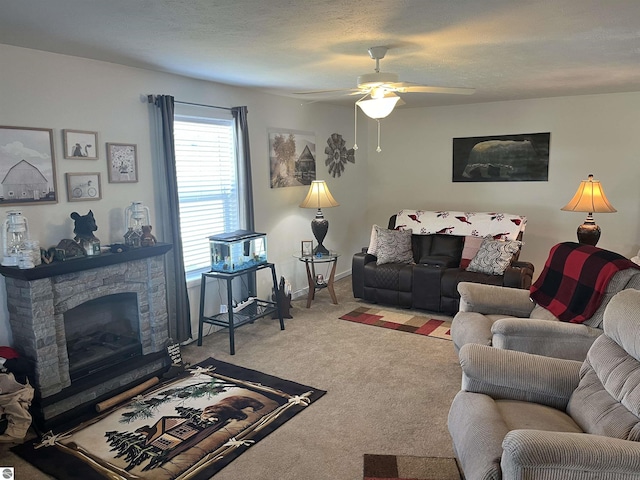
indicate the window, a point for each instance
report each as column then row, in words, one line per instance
column 206, row 170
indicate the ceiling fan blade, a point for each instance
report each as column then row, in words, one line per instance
column 346, row 91
column 404, row 87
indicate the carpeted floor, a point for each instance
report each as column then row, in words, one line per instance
column 387, row 393
column 393, row 467
column 401, row 321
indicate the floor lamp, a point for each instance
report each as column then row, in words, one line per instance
column 319, row 197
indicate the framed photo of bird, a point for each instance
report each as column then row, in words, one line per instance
column 80, row 144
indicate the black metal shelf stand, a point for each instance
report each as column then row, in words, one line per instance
column 248, row 314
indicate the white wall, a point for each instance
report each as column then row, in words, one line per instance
column 589, row 134
column 39, row 89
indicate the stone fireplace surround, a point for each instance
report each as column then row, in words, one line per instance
column 37, row 299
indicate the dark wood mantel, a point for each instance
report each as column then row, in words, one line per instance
column 84, row 263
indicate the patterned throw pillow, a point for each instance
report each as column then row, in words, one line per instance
column 494, row 256
column 393, row 246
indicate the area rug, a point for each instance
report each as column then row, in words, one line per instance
column 393, row 467
column 405, row 322
column 189, row 428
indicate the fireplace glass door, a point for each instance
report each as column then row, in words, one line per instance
column 102, row 333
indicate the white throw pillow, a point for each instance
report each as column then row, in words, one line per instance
column 393, row 246
column 373, row 241
column 494, row 256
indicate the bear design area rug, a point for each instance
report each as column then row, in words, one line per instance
column 405, row 322
column 188, row 428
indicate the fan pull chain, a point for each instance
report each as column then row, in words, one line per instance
column 378, row 149
column 355, row 126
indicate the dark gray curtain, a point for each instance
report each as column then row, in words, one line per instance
column 164, row 166
column 244, row 168
column 245, row 185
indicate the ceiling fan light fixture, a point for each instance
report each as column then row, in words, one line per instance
column 377, row 108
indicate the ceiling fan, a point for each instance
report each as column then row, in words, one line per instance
column 379, row 90
column 379, row 84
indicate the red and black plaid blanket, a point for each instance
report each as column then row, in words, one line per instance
column 574, row 279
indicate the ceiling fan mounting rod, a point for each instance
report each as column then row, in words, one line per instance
column 377, row 53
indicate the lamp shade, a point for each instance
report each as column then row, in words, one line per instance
column 319, row 196
column 589, row 198
column 377, row 108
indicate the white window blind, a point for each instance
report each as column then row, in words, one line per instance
column 206, row 170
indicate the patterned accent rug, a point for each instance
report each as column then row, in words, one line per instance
column 188, row 428
column 393, row 467
column 405, row 322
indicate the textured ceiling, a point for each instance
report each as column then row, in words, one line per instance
column 505, row 49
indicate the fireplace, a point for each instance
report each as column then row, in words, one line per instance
column 91, row 327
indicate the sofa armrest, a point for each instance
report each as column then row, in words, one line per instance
column 519, row 275
column 492, row 299
column 507, row 374
column 568, row 455
column 550, row 338
column 357, row 271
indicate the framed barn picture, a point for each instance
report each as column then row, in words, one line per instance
column 27, row 166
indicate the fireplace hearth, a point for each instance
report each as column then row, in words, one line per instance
column 91, row 327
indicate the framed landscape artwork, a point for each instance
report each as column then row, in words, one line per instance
column 27, row 166
column 292, row 158
column 502, row 158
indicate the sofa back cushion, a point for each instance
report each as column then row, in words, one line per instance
column 629, row 278
column 441, row 250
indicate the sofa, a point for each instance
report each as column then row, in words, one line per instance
column 554, row 318
column 526, row 416
column 435, row 252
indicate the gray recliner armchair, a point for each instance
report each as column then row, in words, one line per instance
column 507, row 318
column 525, row 416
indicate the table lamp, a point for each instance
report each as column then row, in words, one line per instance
column 589, row 198
column 318, row 197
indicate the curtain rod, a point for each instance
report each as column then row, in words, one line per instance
column 150, row 99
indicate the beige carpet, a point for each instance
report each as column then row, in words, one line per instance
column 387, row 393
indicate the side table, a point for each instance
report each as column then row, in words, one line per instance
column 248, row 314
column 310, row 262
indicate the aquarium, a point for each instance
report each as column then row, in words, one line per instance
column 239, row 250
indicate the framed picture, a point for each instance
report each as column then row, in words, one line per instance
column 307, row 248
column 27, row 166
column 83, row 186
column 292, row 157
column 122, row 162
column 502, row 158
column 79, row 144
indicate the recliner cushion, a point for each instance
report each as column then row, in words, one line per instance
column 607, row 400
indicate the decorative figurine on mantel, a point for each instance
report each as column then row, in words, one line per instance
column 84, row 227
column 147, row 239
